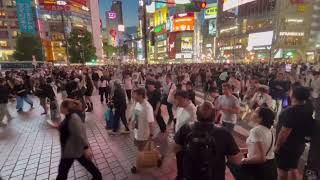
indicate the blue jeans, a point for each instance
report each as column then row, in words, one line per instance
column 20, row 100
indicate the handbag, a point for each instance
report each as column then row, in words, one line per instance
column 109, row 118
column 149, row 157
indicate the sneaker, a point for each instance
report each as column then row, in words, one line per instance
column 134, row 170
column 127, row 131
column 44, row 113
column 19, row 110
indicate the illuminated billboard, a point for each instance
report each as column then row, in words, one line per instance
column 111, row 15
column 183, row 22
column 160, row 16
column 230, row 4
column 25, row 16
column 211, row 11
column 186, row 44
column 212, row 27
column 260, row 39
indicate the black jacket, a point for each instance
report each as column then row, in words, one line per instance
column 4, row 94
column 119, row 99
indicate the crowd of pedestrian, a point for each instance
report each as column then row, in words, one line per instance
column 272, row 98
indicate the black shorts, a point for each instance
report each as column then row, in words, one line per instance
column 288, row 160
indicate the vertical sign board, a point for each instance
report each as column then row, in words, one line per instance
column 25, row 16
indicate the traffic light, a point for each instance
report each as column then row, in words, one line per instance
column 198, row 5
column 203, row 5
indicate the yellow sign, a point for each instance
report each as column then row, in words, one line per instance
column 160, row 16
column 211, row 12
column 301, row 8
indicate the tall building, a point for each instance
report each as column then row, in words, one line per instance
column 293, row 29
column 96, row 28
column 56, row 19
column 8, row 28
column 114, row 19
column 245, row 29
column 313, row 51
column 117, row 8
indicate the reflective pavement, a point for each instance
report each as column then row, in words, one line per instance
column 30, row 149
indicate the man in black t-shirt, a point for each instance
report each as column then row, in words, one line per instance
column 295, row 124
column 224, row 147
column 154, row 98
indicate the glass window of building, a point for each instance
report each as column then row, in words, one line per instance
column 14, row 34
column 8, row 3
column 3, row 44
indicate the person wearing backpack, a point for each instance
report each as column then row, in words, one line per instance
column 206, row 147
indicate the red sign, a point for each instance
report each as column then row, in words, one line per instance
column 82, row 2
column 183, row 22
column 56, row 8
column 171, row 45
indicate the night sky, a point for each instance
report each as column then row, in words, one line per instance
column 129, row 8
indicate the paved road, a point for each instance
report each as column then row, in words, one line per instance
column 29, row 149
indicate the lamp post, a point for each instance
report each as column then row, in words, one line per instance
column 63, row 4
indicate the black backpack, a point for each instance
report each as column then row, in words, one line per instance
column 199, row 153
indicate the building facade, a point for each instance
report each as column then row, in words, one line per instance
column 237, row 25
column 9, row 29
column 114, row 21
column 56, row 19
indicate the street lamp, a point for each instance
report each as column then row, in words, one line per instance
column 63, row 4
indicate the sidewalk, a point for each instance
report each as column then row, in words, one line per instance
column 30, row 149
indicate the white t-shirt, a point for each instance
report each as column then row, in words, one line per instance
column 228, row 102
column 142, row 116
column 263, row 135
column 128, row 83
column 185, row 115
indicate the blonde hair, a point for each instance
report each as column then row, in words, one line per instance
column 71, row 105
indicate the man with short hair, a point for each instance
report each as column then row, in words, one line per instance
column 143, row 119
column 206, row 147
column 186, row 113
column 168, row 96
column 229, row 106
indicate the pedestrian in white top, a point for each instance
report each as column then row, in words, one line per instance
column 143, row 119
column 128, row 85
column 186, row 113
column 260, row 161
column 229, row 106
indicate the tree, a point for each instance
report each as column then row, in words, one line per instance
column 28, row 45
column 80, row 46
column 109, row 50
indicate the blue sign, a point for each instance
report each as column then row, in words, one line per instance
column 160, row 4
column 25, row 16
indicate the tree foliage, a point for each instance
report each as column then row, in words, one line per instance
column 109, row 50
column 80, row 46
column 28, row 45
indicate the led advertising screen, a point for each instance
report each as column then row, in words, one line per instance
column 211, row 11
column 183, row 22
column 160, row 16
column 260, row 39
column 230, row 4
column 186, row 44
column 212, row 27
